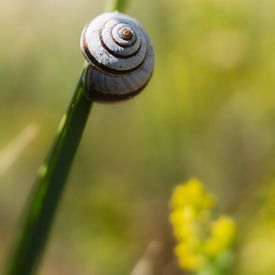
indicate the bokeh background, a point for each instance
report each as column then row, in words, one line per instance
column 208, row 112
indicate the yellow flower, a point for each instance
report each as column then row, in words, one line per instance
column 186, row 231
column 222, row 235
column 192, row 194
column 184, row 215
column 189, row 258
column 191, row 219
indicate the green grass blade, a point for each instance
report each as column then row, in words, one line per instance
column 49, row 187
column 117, row 5
column 50, row 183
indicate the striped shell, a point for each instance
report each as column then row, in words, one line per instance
column 120, row 57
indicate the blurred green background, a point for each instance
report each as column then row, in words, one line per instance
column 208, row 112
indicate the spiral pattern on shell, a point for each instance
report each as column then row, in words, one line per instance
column 120, row 57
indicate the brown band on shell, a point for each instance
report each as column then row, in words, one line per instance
column 100, row 96
column 115, row 53
column 101, row 66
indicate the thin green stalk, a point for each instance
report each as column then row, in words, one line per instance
column 50, row 183
column 117, row 5
column 49, row 186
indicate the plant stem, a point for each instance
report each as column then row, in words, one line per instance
column 117, row 5
column 50, row 182
column 49, row 186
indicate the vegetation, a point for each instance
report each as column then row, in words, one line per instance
column 207, row 113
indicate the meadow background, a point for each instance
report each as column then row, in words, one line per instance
column 208, row 112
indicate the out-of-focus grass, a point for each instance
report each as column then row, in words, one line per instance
column 208, row 112
column 12, row 151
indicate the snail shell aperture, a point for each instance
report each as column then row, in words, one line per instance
column 120, row 57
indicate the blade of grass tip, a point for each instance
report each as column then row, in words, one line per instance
column 12, row 151
column 118, row 5
column 48, row 187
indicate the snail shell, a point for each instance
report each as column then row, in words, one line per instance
column 120, row 57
